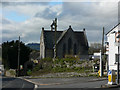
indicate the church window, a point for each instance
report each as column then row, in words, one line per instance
column 69, row 45
column 75, row 49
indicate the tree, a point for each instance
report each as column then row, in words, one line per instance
column 10, row 54
column 95, row 47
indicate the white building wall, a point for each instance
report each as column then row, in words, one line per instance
column 113, row 49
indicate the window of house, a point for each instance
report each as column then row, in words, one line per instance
column 116, row 58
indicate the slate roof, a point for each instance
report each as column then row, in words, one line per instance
column 113, row 28
column 49, row 38
column 50, row 35
column 61, row 36
column 81, row 38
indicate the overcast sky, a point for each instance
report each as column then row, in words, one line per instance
column 26, row 19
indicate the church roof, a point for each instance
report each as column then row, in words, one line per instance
column 81, row 38
column 61, row 36
column 49, row 38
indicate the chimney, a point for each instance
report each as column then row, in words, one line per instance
column 42, row 28
column 83, row 29
column 69, row 26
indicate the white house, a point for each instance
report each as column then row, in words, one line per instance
column 112, row 47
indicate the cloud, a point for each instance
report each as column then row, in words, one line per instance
column 5, row 21
column 92, row 16
column 50, row 12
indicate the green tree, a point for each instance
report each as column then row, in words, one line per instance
column 10, row 54
column 95, row 47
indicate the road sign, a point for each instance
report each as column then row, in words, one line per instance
column 111, row 77
column 109, row 72
column 21, row 67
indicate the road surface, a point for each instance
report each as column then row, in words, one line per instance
column 30, row 84
column 18, row 83
column 81, row 82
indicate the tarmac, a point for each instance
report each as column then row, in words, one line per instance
column 97, row 79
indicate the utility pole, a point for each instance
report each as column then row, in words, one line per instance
column 118, row 67
column 18, row 55
column 55, row 35
column 103, row 41
column 101, row 55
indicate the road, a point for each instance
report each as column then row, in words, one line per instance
column 18, row 83
column 81, row 82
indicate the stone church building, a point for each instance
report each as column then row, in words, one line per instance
column 68, row 42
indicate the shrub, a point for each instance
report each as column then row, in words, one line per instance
column 29, row 72
column 12, row 72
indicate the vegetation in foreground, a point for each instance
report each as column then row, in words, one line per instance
column 48, row 65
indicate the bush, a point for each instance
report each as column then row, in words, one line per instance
column 29, row 72
column 48, row 65
column 12, row 72
column 37, row 67
column 47, row 60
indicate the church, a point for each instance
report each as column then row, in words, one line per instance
column 55, row 43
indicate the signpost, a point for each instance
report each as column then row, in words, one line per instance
column 101, row 68
column 111, row 77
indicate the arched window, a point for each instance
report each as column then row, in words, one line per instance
column 64, row 49
column 75, row 49
column 69, row 45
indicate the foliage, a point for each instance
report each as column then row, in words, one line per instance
column 12, row 72
column 29, row 72
column 95, row 47
column 48, row 65
column 10, row 54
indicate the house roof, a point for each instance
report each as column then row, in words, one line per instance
column 50, row 35
column 81, row 38
column 61, row 36
column 49, row 38
column 112, row 28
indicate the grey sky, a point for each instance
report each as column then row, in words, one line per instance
column 27, row 19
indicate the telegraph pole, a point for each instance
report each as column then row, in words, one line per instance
column 55, row 35
column 101, row 55
column 103, row 42
column 18, row 55
column 118, row 67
